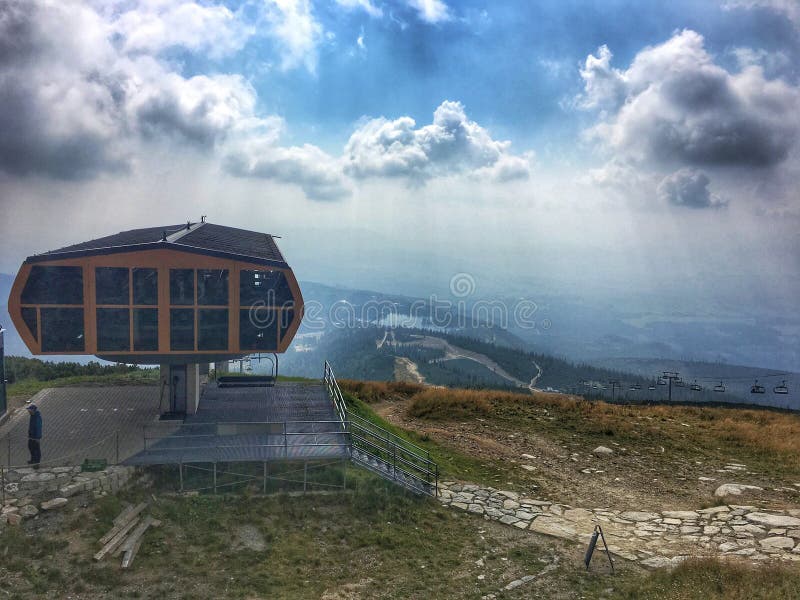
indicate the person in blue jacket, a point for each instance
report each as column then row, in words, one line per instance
column 34, row 435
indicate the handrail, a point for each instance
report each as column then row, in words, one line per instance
column 383, row 445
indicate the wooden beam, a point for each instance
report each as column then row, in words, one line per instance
column 131, row 545
column 116, row 540
column 122, row 519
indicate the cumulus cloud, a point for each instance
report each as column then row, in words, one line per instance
column 316, row 172
column 293, row 24
column 151, row 26
column 366, row 5
column 452, row 144
column 430, row 11
column 675, row 106
column 689, row 188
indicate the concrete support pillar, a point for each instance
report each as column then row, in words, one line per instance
column 192, row 388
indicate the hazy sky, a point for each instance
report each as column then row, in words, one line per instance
column 565, row 146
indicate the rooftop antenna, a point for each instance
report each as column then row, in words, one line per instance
column 202, row 218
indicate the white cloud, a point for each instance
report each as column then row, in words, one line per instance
column 788, row 8
column 293, row 25
column 675, row 106
column 689, row 188
column 452, row 144
column 151, row 26
column 430, row 11
column 366, row 5
column 316, row 172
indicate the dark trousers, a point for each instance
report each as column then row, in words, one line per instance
column 36, row 451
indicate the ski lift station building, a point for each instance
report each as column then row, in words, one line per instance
column 179, row 296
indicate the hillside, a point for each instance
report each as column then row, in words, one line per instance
column 374, row 541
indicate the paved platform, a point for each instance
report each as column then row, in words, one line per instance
column 290, row 421
column 82, row 422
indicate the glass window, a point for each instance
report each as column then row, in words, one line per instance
column 53, row 285
column 29, row 316
column 113, row 329
column 181, row 286
column 181, row 329
column 287, row 316
column 212, row 287
column 145, row 329
column 258, row 329
column 212, row 329
column 269, row 288
column 111, row 285
column 145, row 286
column 62, row 330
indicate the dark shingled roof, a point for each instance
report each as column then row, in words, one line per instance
column 203, row 238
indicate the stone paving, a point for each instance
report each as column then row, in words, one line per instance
column 653, row 539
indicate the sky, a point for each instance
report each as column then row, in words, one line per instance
column 586, row 148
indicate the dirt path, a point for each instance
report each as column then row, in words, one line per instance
column 452, row 352
column 406, row 369
column 642, row 479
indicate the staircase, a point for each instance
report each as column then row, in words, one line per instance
column 380, row 451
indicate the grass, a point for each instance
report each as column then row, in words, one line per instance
column 372, row 541
column 28, row 387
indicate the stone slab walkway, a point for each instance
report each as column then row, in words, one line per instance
column 653, row 539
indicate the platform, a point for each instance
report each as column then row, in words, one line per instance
column 290, row 421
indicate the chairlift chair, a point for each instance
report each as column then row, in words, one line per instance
column 781, row 389
column 651, row 387
column 757, row 389
column 679, row 383
column 695, row 387
column 719, row 388
column 661, row 381
column 636, row 387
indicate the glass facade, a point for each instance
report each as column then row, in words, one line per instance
column 111, row 285
column 113, row 329
column 264, row 288
column 212, row 287
column 199, row 316
column 145, row 329
column 145, row 286
column 62, row 330
column 53, row 285
column 181, row 329
column 212, row 329
column 181, row 286
column 29, row 316
column 258, row 329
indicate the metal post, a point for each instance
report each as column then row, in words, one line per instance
column 215, row 478
column 344, row 476
column 180, row 470
column 265, row 477
column 305, row 475
column 2, row 484
column 285, row 442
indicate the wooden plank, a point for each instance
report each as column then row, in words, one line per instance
column 123, row 521
column 125, row 512
column 116, row 540
column 131, row 546
column 135, row 535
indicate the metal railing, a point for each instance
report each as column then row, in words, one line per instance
column 382, row 451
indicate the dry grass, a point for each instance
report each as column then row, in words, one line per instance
column 376, row 391
column 765, row 431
